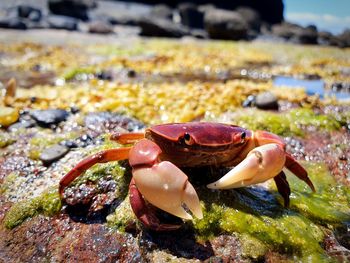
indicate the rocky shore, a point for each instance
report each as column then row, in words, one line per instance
column 235, row 20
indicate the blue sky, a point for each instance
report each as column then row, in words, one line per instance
column 330, row 15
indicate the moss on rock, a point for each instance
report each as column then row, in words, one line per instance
column 48, row 203
column 257, row 215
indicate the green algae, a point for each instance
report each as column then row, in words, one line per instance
column 122, row 217
column 8, row 181
column 330, row 203
column 289, row 123
column 6, row 139
column 257, row 214
column 73, row 73
column 48, row 203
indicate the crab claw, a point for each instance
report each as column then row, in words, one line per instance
column 261, row 164
column 167, row 187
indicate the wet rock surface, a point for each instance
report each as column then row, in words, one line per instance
column 53, row 153
column 252, row 226
column 46, row 118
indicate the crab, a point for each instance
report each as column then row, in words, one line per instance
column 158, row 154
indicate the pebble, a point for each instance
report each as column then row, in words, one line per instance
column 8, row 116
column 50, row 117
column 266, row 101
column 22, row 124
column 53, row 153
column 249, row 102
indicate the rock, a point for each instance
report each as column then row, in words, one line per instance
column 223, row 24
column 191, row 15
column 12, row 23
column 306, row 35
column 270, row 11
column 105, row 75
column 29, row 12
column 249, row 101
column 266, row 101
column 158, row 27
column 46, row 118
column 62, row 22
column 328, row 39
column 251, row 16
column 199, row 33
column 8, row 116
column 285, row 30
column 72, row 8
column 296, row 33
column 162, row 11
column 70, row 144
column 100, row 27
column 23, row 124
column 345, row 38
column 104, row 122
column 53, row 153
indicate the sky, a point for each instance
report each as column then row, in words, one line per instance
column 329, row 15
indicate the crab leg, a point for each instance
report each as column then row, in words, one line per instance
column 127, row 138
column 261, row 164
column 293, row 166
column 162, row 183
column 101, row 157
column 283, row 187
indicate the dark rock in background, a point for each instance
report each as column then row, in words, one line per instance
column 13, row 23
column 62, row 22
column 162, row 11
column 74, row 8
column 191, row 15
column 26, row 11
column 224, row 24
column 270, row 11
column 161, row 28
column 231, row 20
column 345, row 38
column 100, row 27
column 328, row 39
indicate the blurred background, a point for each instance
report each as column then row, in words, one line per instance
column 306, row 22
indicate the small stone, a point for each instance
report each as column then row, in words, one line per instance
column 8, row 116
column 50, row 117
column 53, row 153
column 70, row 144
column 105, row 75
column 22, row 125
column 249, row 102
column 100, row 27
column 131, row 73
column 266, row 101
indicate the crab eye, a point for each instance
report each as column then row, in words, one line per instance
column 188, row 139
column 243, row 135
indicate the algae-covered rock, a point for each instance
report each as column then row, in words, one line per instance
column 257, row 215
column 48, row 203
column 122, row 217
column 6, row 139
column 8, row 116
column 293, row 122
